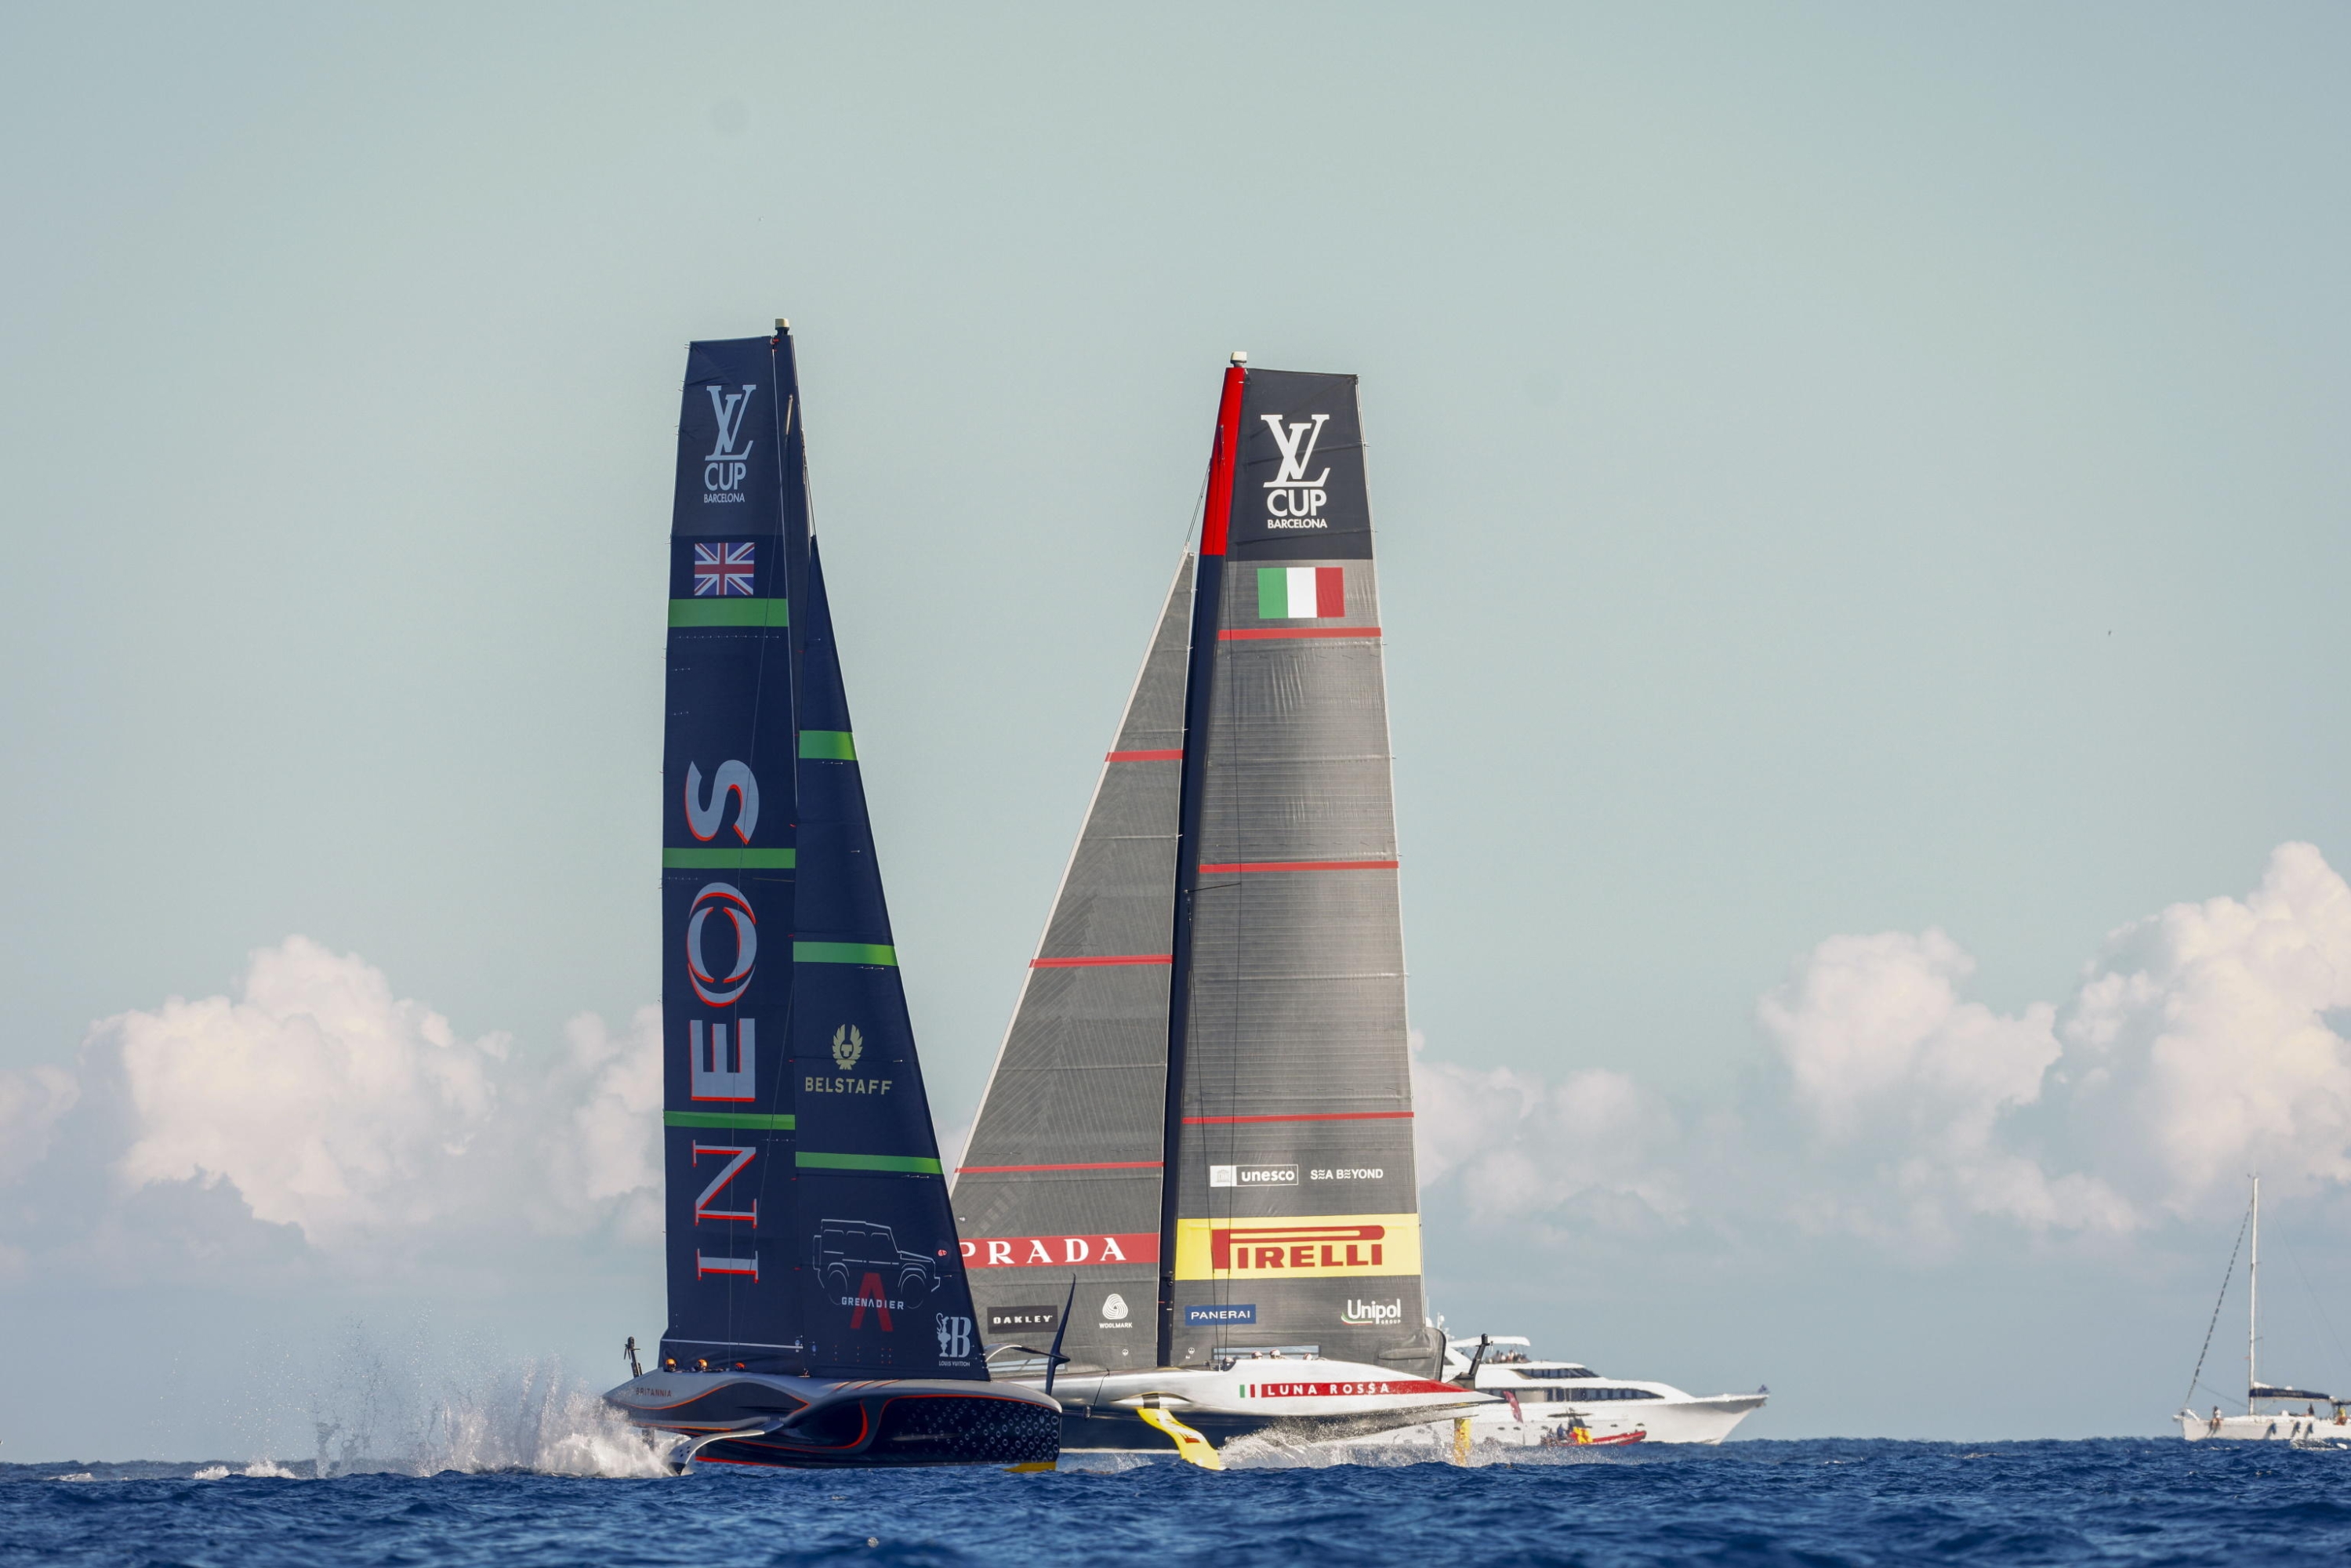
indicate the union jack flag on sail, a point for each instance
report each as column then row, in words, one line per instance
column 722, row 569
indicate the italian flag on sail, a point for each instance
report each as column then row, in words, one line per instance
column 1300, row 592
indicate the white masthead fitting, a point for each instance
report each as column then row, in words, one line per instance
column 1240, row 356
column 783, row 324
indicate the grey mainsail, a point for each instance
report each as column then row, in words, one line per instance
column 1060, row 1181
column 1231, row 907
column 1293, row 1217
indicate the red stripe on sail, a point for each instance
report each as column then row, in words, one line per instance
column 1329, row 593
column 1176, row 756
column 1297, row 865
column 1219, row 513
column 1312, row 1116
column 1252, row 634
column 1109, row 958
column 1097, row 1165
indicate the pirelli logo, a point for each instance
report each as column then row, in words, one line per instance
column 1316, row 1245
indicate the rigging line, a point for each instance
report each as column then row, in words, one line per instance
column 2196, row 1377
column 2342, row 1360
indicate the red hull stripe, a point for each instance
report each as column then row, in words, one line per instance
column 1143, row 755
column 1243, row 867
column 1254, row 633
column 1315, row 1116
column 1097, row 1165
column 1090, row 962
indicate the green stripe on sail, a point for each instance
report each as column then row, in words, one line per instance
column 747, row 1121
column 729, row 860
column 844, row 953
column 828, row 746
column 1273, row 593
column 909, row 1164
column 730, row 613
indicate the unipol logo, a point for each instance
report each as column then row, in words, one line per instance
column 1293, row 500
column 730, row 457
column 1375, row 1313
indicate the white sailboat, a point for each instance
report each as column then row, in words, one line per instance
column 2281, row 1423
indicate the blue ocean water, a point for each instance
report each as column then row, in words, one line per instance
column 1815, row 1503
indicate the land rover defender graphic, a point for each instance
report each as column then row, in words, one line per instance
column 846, row 1253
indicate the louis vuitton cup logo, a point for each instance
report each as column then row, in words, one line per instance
column 1292, row 500
column 726, row 462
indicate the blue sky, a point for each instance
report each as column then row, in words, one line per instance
column 1845, row 475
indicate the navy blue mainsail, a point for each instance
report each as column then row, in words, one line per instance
column 884, row 1291
column 818, row 1313
column 729, row 761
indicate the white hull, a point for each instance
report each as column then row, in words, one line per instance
column 1685, row 1420
column 2280, row 1428
column 1296, row 1399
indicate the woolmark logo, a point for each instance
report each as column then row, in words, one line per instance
column 1291, row 499
column 1373, row 1312
column 724, row 466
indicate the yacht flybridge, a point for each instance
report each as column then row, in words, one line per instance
column 1193, row 1165
column 1555, row 1404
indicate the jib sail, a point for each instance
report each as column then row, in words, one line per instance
column 806, row 1211
column 884, row 1290
column 1060, row 1181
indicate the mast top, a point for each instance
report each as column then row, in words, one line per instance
column 783, row 324
column 1240, row 356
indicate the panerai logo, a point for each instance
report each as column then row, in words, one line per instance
column 1292, row 500
column 1372, row 1312
column 724, row 466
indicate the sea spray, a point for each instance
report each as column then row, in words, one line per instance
column 416, row 1408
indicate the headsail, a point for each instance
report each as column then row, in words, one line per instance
column 728, row 809
column 1061, row 1176
column 885, row 1294
column 807, row 1214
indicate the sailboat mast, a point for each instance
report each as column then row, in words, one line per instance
column 2254, row 1302
column 1208, row 598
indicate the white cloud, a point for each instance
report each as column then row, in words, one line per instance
column 325, row 1102
column 32, row 1102
column 1597, row 1145
column 362, row 1120
column 2198, row 1047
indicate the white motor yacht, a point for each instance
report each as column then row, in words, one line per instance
column 1558, row 1404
